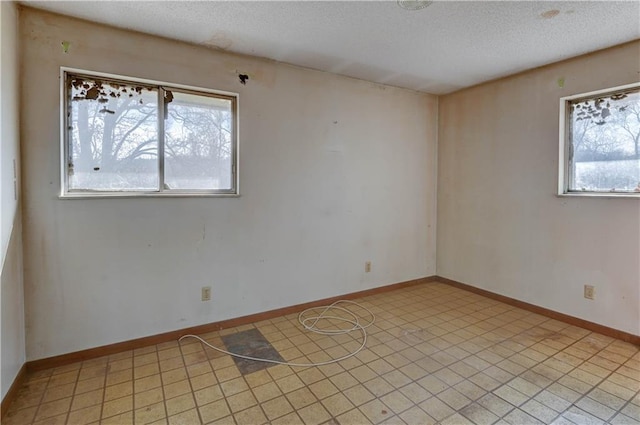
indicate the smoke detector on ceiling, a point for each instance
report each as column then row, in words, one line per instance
column 413, row 4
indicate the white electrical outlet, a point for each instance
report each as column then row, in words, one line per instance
column 206, row 293
column 367, row 266
column 589, row 292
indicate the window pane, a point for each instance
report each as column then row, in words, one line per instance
column 113, row 136
column 605, row 137
column 198, row 149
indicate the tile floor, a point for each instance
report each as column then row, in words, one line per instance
column 436, row 354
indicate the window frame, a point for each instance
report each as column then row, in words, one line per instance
column 161, row 86
column 564, row 163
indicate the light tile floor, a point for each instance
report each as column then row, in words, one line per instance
column 436, row 354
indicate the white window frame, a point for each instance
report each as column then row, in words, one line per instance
column 65, row 193
column 564, row 167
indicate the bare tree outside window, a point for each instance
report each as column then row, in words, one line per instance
column 124, row 137
column 198, row 144
column 113, row 136
column 604, row 150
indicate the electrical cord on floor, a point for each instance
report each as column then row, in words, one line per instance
column 310, row 323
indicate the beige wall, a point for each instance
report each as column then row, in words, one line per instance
column 13, row 353
column 12, row 333
column 333, row 172
column 500, row 225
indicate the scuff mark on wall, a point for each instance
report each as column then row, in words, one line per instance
column 219, row 40
column 549, row 14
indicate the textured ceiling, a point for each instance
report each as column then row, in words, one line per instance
column 439, row 49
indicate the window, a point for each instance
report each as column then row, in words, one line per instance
column 600, row 143
column 127, row 137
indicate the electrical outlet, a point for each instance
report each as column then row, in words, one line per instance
column 367, row 266
column 589, row 292
column 206, row 293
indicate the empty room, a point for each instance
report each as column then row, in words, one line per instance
column 318, row 212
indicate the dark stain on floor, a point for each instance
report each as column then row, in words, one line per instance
column 251, row 343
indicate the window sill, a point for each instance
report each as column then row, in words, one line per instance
column 609, row 195
column 140, row 195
